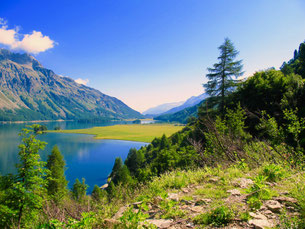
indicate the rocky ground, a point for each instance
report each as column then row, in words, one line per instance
column 180, row 207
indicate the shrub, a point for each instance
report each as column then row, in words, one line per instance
column 259, row 189
column 220, row 216
column 273, row 172
column 254, row 203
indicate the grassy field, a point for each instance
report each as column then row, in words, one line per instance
column 141, row 133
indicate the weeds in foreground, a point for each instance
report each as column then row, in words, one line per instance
column 273, row 172
column 220, row 216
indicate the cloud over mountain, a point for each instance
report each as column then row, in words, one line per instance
column 34, row 42
column 82, row 81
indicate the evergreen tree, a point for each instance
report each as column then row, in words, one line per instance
column 118, row 164
column 164, row 144
column 29, row 188
column 111, row 190
column 134, row 160
column 97, row 193
column 220, row 76
column 301, row 58
column 123, row 176
column 79, row 189
column 57, row 183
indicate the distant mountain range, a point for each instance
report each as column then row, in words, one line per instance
column 28, row 91
column 161, row 108
column 194, row 100
column 181, row 116
column 171, row 108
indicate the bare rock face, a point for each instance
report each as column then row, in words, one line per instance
column 242, row 182
column 111, row 223
column 273, row 206
column 120, row 212
column 160, row 223
column 173, row 196
column 202, row 201
column 234, row 192
column 260, row 221
column 285, row 199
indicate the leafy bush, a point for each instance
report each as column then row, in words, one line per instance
column 273, row 172
column 132, row 218
column 170, row 210
column 254, row 203
column 220, row 216
column 259, row 189
column 245, row 216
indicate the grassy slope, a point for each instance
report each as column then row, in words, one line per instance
column 141, row 133
column 200, row 191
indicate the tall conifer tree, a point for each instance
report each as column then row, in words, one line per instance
column 57, row 183
column 220, row 76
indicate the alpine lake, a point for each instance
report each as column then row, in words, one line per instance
column 85, row 156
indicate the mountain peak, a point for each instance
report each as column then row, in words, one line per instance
column 28, row 91
column 19, row 58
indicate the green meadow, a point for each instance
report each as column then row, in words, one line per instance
column 134, row 132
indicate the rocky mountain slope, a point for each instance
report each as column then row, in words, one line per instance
column 28, row 91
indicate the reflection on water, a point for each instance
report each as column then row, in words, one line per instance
column 85, row 156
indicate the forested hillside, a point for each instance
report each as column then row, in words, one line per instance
column 240, row 164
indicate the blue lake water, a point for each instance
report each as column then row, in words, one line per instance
column 85, row 157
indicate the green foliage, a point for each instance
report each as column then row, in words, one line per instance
column 57, row 183
column 21, row 195
column 79, row 189
column 295, row 125
column 118, row 164
column 120, row 173
column 39, row 128
column 182, row 116
column 132, row 218
column 134, row 160
column 259, row 189
column 270, row 91
column 245, row 216
column 254, row 203
column 269, row 129
column 137, row 121
column 220, row 82
column 225, row 137
column 273, row 172
column 87, row 221
column 220, row 216
column 170, row 210
column 297, row 63
column 98, row 194
column 288, row 222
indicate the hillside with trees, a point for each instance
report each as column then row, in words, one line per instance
column 239, row 164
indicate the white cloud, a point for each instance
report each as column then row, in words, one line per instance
column 82, row 81
column 35, row 42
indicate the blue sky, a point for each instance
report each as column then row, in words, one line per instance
column 154, row 51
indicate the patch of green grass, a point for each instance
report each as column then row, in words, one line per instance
column 254, row 203
column 141, row 133
column 212, row 191
column 245, row 216
column 220, row 216
column 170, row 210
